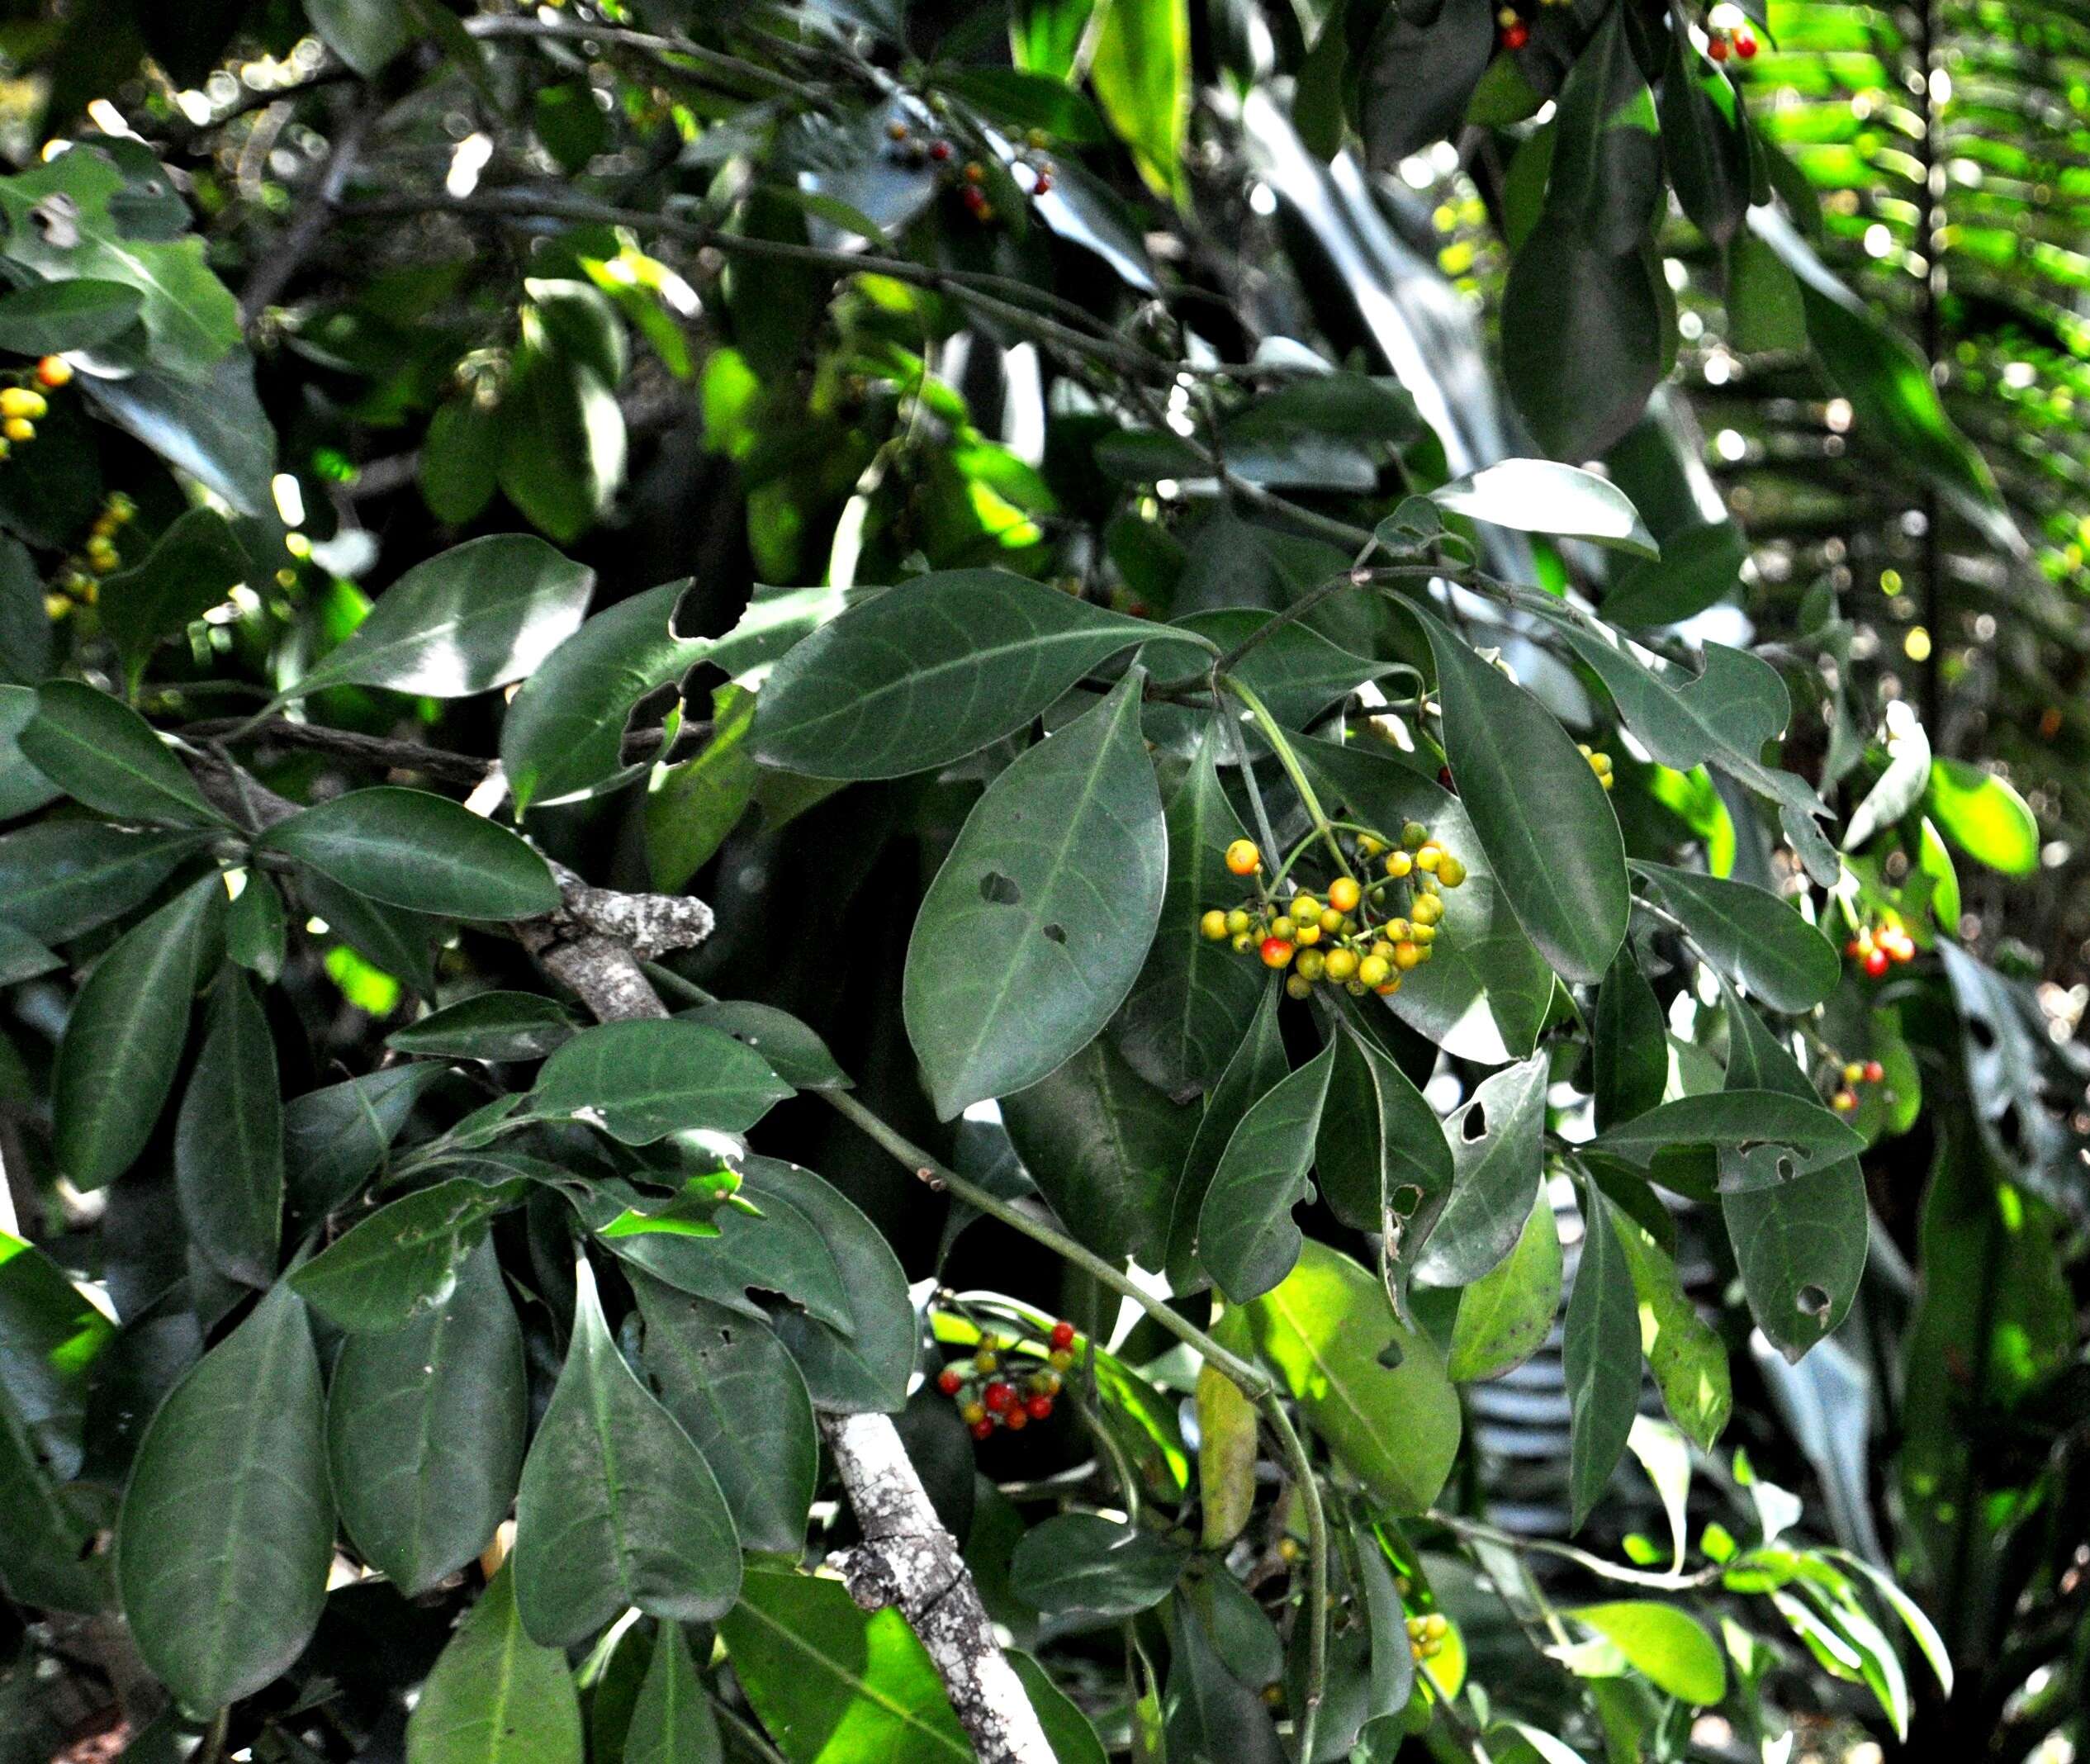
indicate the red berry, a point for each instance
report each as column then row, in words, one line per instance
column 1038, row 1407
column 983, row 1429
column 1043, row 187
column 940, row 151
column 1063, row 1333
column 949, row 1381
column 1718, row 49
column 1876, row 963
column 1854, row 949
column 998, row 1396
column 1745, row 45
column 1874, row 1071
column 1515, row 36
column 1016, row 1421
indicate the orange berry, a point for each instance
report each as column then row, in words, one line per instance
column 1243, row 858
column 1277, row 952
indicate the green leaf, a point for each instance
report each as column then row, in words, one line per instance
column 1607, row 157
column 48, row 1548
column 1326, row 1332
column 1246, row 1236
column 1704, row 139
column 1105, row 1148
column 617, row 1507
column 1583, row 334
column 61, row 226
column 1601, row 1352
column 1505, row 1315
column 1699, row 567
column 1981, row 814
column 255, row 932
column 793, row 1052
column 366, row 34
column 495, row 1696
column 334, row 1137
column 1029, row 100
column 1138, row 64
column 1378, row 1138
column 193, row 565
column 1672, row 1648
column 1536, row 495
column 227, row 1528
column 1226, row 1452
column 1800, row 1245
column 929, row 672
column 830, row 1681
column 1629, row 1044
column 1192, row 1003
column 1766, row 314
column 461, row 459
column 49, row 318
column 490, row 1025
column 563, row 442
column 60, row 878
column 393, row 940
column 22, row 957
column 649, row 1079
column 424, row 1430
column 1417, row 74
column 1084, row 1567
column 415, row 849
column 737, row 1392
column 1811, row 1137
column 1688, row 1359
column 214, row 428
column 123, row 1042
column 1258, row 1064
column 1751, row 935
column 229, row 1139
column 101, row 752
column 1497, row 1143
column 465, row 621
column 692, row 806
column 1538, row 809
column 402, row 1261
column 1899, row 787
column 563, row 733
column 672, row 1722
column 1039, row 921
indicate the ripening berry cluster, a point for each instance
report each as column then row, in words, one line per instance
column 1511, row 32
column 970, row 179
column 990, row 1392
column 1875, row 946
column 20, row 406
column 1722, row 41
column 1599, row 763
column 1426, row 1635
column 1855, row 1072
column 1364, row 938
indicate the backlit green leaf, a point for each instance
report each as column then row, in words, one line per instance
column 1601, row 1352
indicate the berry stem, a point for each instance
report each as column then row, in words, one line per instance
column 1274, row 736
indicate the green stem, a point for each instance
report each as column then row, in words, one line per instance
column 1479, row 1532
column 1302, row 1472
column 1279, row 745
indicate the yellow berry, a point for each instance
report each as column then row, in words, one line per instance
column 19, row 401
column 1243, row 858
column 1341, row 964
column 1373, row 970
column 1367, row 846
column 1288, row 1549
column 1061, row 1359
column 1415, row 1626
column 1297, row 986
column 1424, row 935
column 1308, row 934
column 986, row 1360
column 1343, row 895
column 1331, row 921
column 1431, row 854
column 1282, row 927
column 1213, row 925
column 1311, row 964
column 1244, row 941
column 1382, row 947
column 973, row 1414
column 1843, row 1101
column 1406, row 954
column 1426, row 910
column 18, row 429
column 1237, row 921
column 1436, row 1625
column 1399, row 863
column 1853, row 1071
column 1304, row 907
column 1451, row 872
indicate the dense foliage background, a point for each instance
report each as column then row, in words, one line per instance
column 485, row 492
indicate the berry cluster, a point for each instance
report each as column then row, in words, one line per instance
column 1723, row 40
column 1855, row 1072
column 970, row 179
column 1426, row 1635
column 1875, row 946
column 1599, row 763
column 988, row 1393
column 22, row 405
column 1511, row 32
column 1362, row 938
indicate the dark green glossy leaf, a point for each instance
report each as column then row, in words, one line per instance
column 738, row 1395
column 929, row 672
column 1538, row 809
column 424, row 1430
column 1698, row 568
column 495, row 1696
column 1629, row 1046
column 101, row 752
column 1766, row 311
column 460, row 459
column 256, row 935
column 1417, row 74
column 649, row 1079
column 1246, row 1237
column 672, row 1722
column 227, row 1528
column 617, row 1507
column 1606, row 158
column 1088, row 1568
column 1704, row 139
column 1751, row 936
column 22, row 957
column 1538, row 495
column 1505, row 1315
column 793, row 1052
column 1378, row 1138
column 1029, row 101
column 402, row 1260
column 229, row 1139
column 1039, row 921
column 563, row 441
column 1582, row 340
column 123, row 1042
column 491, row 1026
column 1211, row 1713
column 394, row 939
column 1497, row 1141
column 366, row 34
column 1326, row 1332
column 693, row 805
column 470, row 618
column 48, row 318
column 1810, row 1137
column 1259, row 1063
column 415, row 849
column 214, row 428
column 336, row 1136
column 1105, row 1149
column 1600, row 1353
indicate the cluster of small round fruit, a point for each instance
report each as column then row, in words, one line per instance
column 1723, row 40
column 100, row 549
column 1426, row 1635
column 1511, row 32
column 1599, row 763
column 21, row 405
column 1351, row 937
column 971, row 177
column 1855, row 1072
column 986, row 1387
column 1875, row 946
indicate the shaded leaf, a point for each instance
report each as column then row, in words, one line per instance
column 647, row 1079
column 1751, row 935
column 402, row 1260
column 495, row 1696
column 1246, row 1236
column 415, row 849
column 1601, row 1352
column 1505, row 1315
column 229, row 1139
column 101, row 752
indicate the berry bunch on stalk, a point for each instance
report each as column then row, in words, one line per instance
column 1361, row 935
column 1875, row 947
column 1855, row 1072
column 992, row 1390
